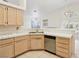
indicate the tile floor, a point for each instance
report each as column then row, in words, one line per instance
column 38, row 54
column 44, row 54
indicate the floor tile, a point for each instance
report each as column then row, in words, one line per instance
column 44, row 54
column 38, row 54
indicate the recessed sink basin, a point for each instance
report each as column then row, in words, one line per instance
column 35, row 32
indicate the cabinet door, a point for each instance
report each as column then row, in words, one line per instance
column 2, row 14
column 28, row 42
column 21, row 46
column 63, row 47
column 37, row 44
column 11, row 16
column 19, row 18
column 7, row 51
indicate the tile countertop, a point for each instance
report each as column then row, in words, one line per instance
column 66, row 35
column 6, row 36
column 11, row 5
column 60, row 32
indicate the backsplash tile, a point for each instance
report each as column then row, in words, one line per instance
column 7, row 29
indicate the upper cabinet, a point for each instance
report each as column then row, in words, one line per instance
column 19, row 17
column 2, row 14
column 20, row 4
column 10, row 16
column 16, row 2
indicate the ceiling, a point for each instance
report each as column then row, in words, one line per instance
column 47, row 6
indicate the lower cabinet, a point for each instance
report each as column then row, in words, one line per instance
column 64, row 47
column 18, row 45
column 21, row 45
column 7, row 49
column 37, row 42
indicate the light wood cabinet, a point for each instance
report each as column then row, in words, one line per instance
column 11, row 16
column 1, row 14
column 7, row 48
column 37, row 42
column 64, row 47
column 21, row 44
column 19, row 17
column 29, row 42
column 5, row 41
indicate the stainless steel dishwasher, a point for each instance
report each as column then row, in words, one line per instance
column 50, row 43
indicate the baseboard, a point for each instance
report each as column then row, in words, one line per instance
column 28, row 51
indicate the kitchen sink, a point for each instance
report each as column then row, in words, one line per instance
column 35, row 33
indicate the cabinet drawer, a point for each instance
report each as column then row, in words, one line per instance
column 65, row 46
column 62, row 54
column 4, row 45
column 5, row 41
column 62, row 50
column 36, row 37
column 20, row 38
column 19, row 17
column 62, row 40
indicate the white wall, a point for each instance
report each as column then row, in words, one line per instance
column 12, row 29
column 14, row 1
column 56, row 17
column 23, row 3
